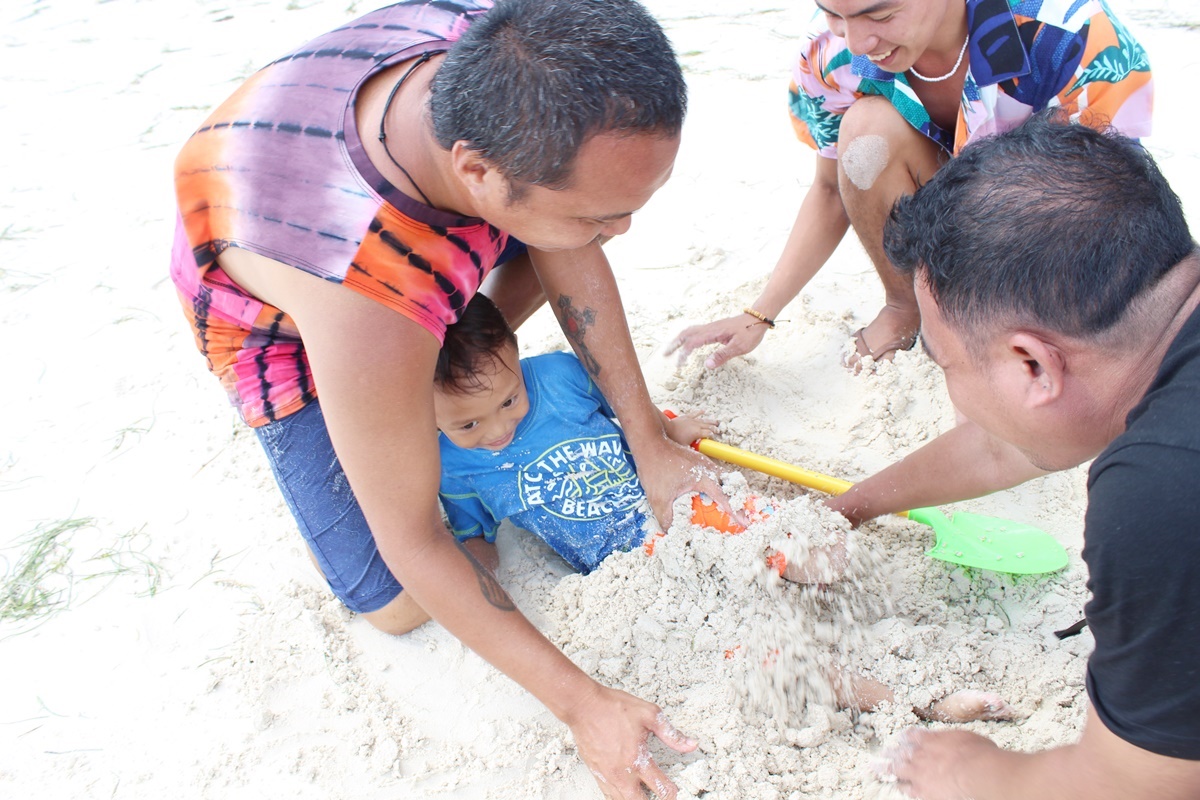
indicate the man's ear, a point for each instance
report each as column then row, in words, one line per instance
column 474, row 172
column 1041, row 365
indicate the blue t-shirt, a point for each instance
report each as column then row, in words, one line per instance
column 567, row 475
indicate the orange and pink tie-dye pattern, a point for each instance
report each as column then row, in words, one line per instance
column 279, row 170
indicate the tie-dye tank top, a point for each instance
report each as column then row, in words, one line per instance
column 279, row 169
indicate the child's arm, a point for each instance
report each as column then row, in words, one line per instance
column 687, row 428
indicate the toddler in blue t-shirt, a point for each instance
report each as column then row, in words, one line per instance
column 534, row 441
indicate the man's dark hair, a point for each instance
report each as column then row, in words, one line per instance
column 472, row 347
column 531, row 80
column 1053, row 223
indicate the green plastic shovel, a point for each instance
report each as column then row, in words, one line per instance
column 971, row 540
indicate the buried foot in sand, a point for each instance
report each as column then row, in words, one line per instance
column 966, row 705
column 822, row 566
column 969, row 705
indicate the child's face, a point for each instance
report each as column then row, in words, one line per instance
column 485, row 419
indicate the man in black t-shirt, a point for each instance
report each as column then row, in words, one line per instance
column 1059, row 286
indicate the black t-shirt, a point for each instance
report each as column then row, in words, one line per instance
column 1142, row 549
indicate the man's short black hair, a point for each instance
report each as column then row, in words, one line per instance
column 531, row 80
column 472, row 348
column 1053, row 224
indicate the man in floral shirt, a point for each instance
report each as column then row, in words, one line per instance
column 887, row 90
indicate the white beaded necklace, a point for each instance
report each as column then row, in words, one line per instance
column 953, row 69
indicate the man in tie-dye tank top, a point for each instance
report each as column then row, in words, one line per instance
column 336, row 214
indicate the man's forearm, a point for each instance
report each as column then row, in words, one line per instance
column 963, row 463
column 953, row 764
column 583, row 293
column 483, row 616
column 1079, row 771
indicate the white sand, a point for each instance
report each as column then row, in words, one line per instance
column 197, row 654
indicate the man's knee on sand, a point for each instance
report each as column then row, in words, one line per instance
column 398, row 617
column 402, row 614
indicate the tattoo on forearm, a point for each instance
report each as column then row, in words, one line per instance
column 575, row 323
column 492, row 591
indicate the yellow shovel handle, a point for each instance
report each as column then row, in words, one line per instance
column 775, row 467
column 772, row 466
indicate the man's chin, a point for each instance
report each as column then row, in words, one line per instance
column 1051, row 462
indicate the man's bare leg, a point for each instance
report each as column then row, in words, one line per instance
column 880, row 159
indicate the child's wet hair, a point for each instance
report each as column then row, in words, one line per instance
column 472, row 348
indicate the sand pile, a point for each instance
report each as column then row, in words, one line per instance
column 741, row 659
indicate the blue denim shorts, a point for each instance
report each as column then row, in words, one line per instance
column 319, row 495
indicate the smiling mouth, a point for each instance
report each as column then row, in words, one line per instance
column 502, row 441
column 882, row 56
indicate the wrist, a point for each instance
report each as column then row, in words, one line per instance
column 576, row 698
column 771, row 303
column 762, row 318
column 647, row 433
column 853, row 510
